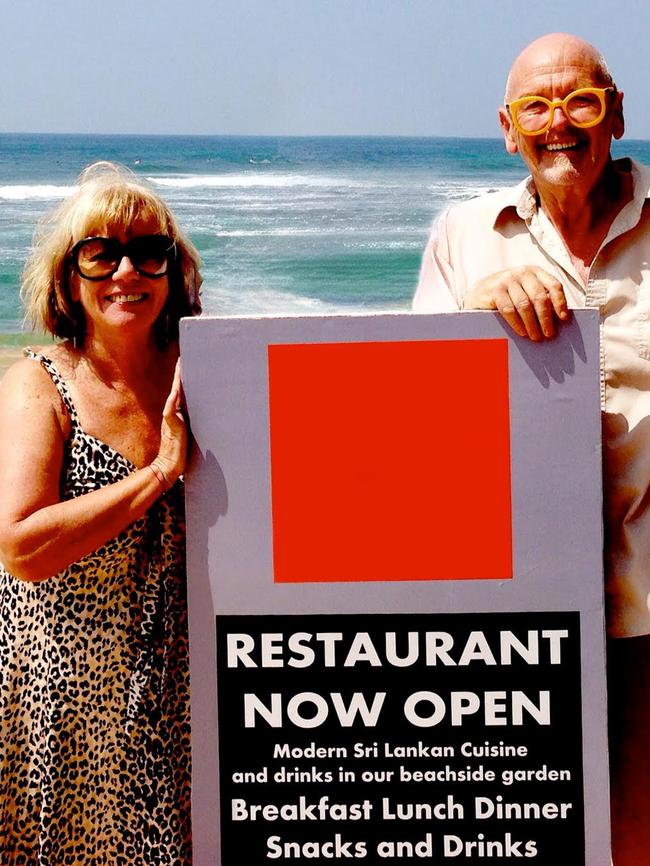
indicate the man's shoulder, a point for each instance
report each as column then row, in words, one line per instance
column 640, row 175
column 485, row 209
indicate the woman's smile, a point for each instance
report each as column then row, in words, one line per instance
column 126, row 299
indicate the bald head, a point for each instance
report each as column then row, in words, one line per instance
column 554, row 52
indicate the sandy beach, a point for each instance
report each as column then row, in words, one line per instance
column 11, row 347
column 8, row 354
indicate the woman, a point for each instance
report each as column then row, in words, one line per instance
column 94, row 738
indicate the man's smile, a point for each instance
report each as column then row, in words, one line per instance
column 562, row 145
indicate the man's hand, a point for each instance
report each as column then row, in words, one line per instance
column 528, row 298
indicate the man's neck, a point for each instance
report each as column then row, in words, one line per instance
column 582, row 217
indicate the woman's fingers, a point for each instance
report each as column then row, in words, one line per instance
column 173, row 430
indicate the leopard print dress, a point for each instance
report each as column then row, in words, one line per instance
column 94, row 689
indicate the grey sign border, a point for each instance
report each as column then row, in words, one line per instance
column 556, row 505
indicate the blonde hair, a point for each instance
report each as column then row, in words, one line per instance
column 108, row 197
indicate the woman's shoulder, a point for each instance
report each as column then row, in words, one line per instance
column 31, row 369
column 26, row 374
column 30, row 384
column 58, row 354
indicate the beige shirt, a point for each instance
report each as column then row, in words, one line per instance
column 506, row 229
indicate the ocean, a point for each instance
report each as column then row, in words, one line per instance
column 283, row 225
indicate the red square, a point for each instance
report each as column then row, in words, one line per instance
column 390, row 461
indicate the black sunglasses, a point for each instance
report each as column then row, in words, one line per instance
column 99, row 258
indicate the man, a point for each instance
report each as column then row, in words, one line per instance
column 576, row 234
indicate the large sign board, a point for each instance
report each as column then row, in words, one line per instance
column 395, row 591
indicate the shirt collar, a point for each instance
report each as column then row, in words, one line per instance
column 522, row 199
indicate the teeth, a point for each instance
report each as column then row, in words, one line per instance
column 567, row 146
column 125, row 299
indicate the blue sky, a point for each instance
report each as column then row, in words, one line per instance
column 293, row 67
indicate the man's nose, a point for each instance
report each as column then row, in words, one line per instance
column 560, row 119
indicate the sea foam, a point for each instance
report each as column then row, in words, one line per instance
column 22, row 192
column 254, row 179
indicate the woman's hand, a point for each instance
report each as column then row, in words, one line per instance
column 170, row 461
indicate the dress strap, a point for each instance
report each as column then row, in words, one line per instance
column 58, row 381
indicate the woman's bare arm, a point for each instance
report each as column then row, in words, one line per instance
column 39, row 534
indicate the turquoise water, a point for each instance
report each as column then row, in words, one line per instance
column 283, row 225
